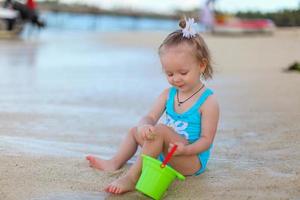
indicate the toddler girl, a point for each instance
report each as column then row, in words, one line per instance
column 191, row 109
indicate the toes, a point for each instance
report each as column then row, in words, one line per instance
column 89, row 157
column 91, row 160
column 120, row 186
column 113, row 189
column 109, row 189
column 118, row 191
column 106, row 189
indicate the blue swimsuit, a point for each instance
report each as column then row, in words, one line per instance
column 188, row 124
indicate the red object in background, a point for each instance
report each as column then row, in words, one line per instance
column 246, row 24
column 31, row 4
column 253, row 23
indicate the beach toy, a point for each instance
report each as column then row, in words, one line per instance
column 157, row 176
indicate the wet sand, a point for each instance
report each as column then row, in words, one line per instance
column 66, row 96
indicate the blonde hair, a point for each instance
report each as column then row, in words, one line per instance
column 200, row 49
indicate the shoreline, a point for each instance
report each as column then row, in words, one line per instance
column 93, row 10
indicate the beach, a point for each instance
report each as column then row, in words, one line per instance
column 67, row 96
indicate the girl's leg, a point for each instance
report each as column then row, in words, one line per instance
column 126, row 150
column 164, row 135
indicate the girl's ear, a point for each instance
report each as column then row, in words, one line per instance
column 203, row 64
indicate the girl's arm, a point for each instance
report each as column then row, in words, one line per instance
column 210, row 118
column 156, row 110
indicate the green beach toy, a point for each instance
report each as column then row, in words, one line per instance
column 156, row 176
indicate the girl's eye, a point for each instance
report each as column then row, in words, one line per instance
column 183, row 73
column 169, row 74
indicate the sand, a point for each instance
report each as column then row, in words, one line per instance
column 256, row 150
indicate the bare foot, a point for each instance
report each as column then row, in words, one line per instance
column 98, row 163
column 121, row 185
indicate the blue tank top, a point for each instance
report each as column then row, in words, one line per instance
column 187, row 124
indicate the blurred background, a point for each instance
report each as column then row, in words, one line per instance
column 102, row 15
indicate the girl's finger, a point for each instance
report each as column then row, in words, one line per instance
column 151, row 128
column 152, row 135
column 170, row 147
column 144, row 135
column 148, row 136
column 177, row 143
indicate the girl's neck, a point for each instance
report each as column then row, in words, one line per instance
column 189, row 97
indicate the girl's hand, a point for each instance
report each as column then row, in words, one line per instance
column 147, row 132
column 180, row 148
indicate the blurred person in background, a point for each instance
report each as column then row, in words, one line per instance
column 27, row 11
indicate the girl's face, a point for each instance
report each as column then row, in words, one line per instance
column 181, row 67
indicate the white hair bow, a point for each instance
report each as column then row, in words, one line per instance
column 189, row 29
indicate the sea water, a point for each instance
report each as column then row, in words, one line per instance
column 69, row 93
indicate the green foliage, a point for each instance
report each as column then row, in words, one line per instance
column 281, row 18
column 294, row 67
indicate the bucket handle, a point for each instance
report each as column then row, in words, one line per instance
column 168, row 157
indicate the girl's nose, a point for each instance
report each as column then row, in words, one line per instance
column 176, row 78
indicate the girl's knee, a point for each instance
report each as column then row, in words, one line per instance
column 134, row 133
column 133, row 130
column 168, row 134
column 161, row 128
